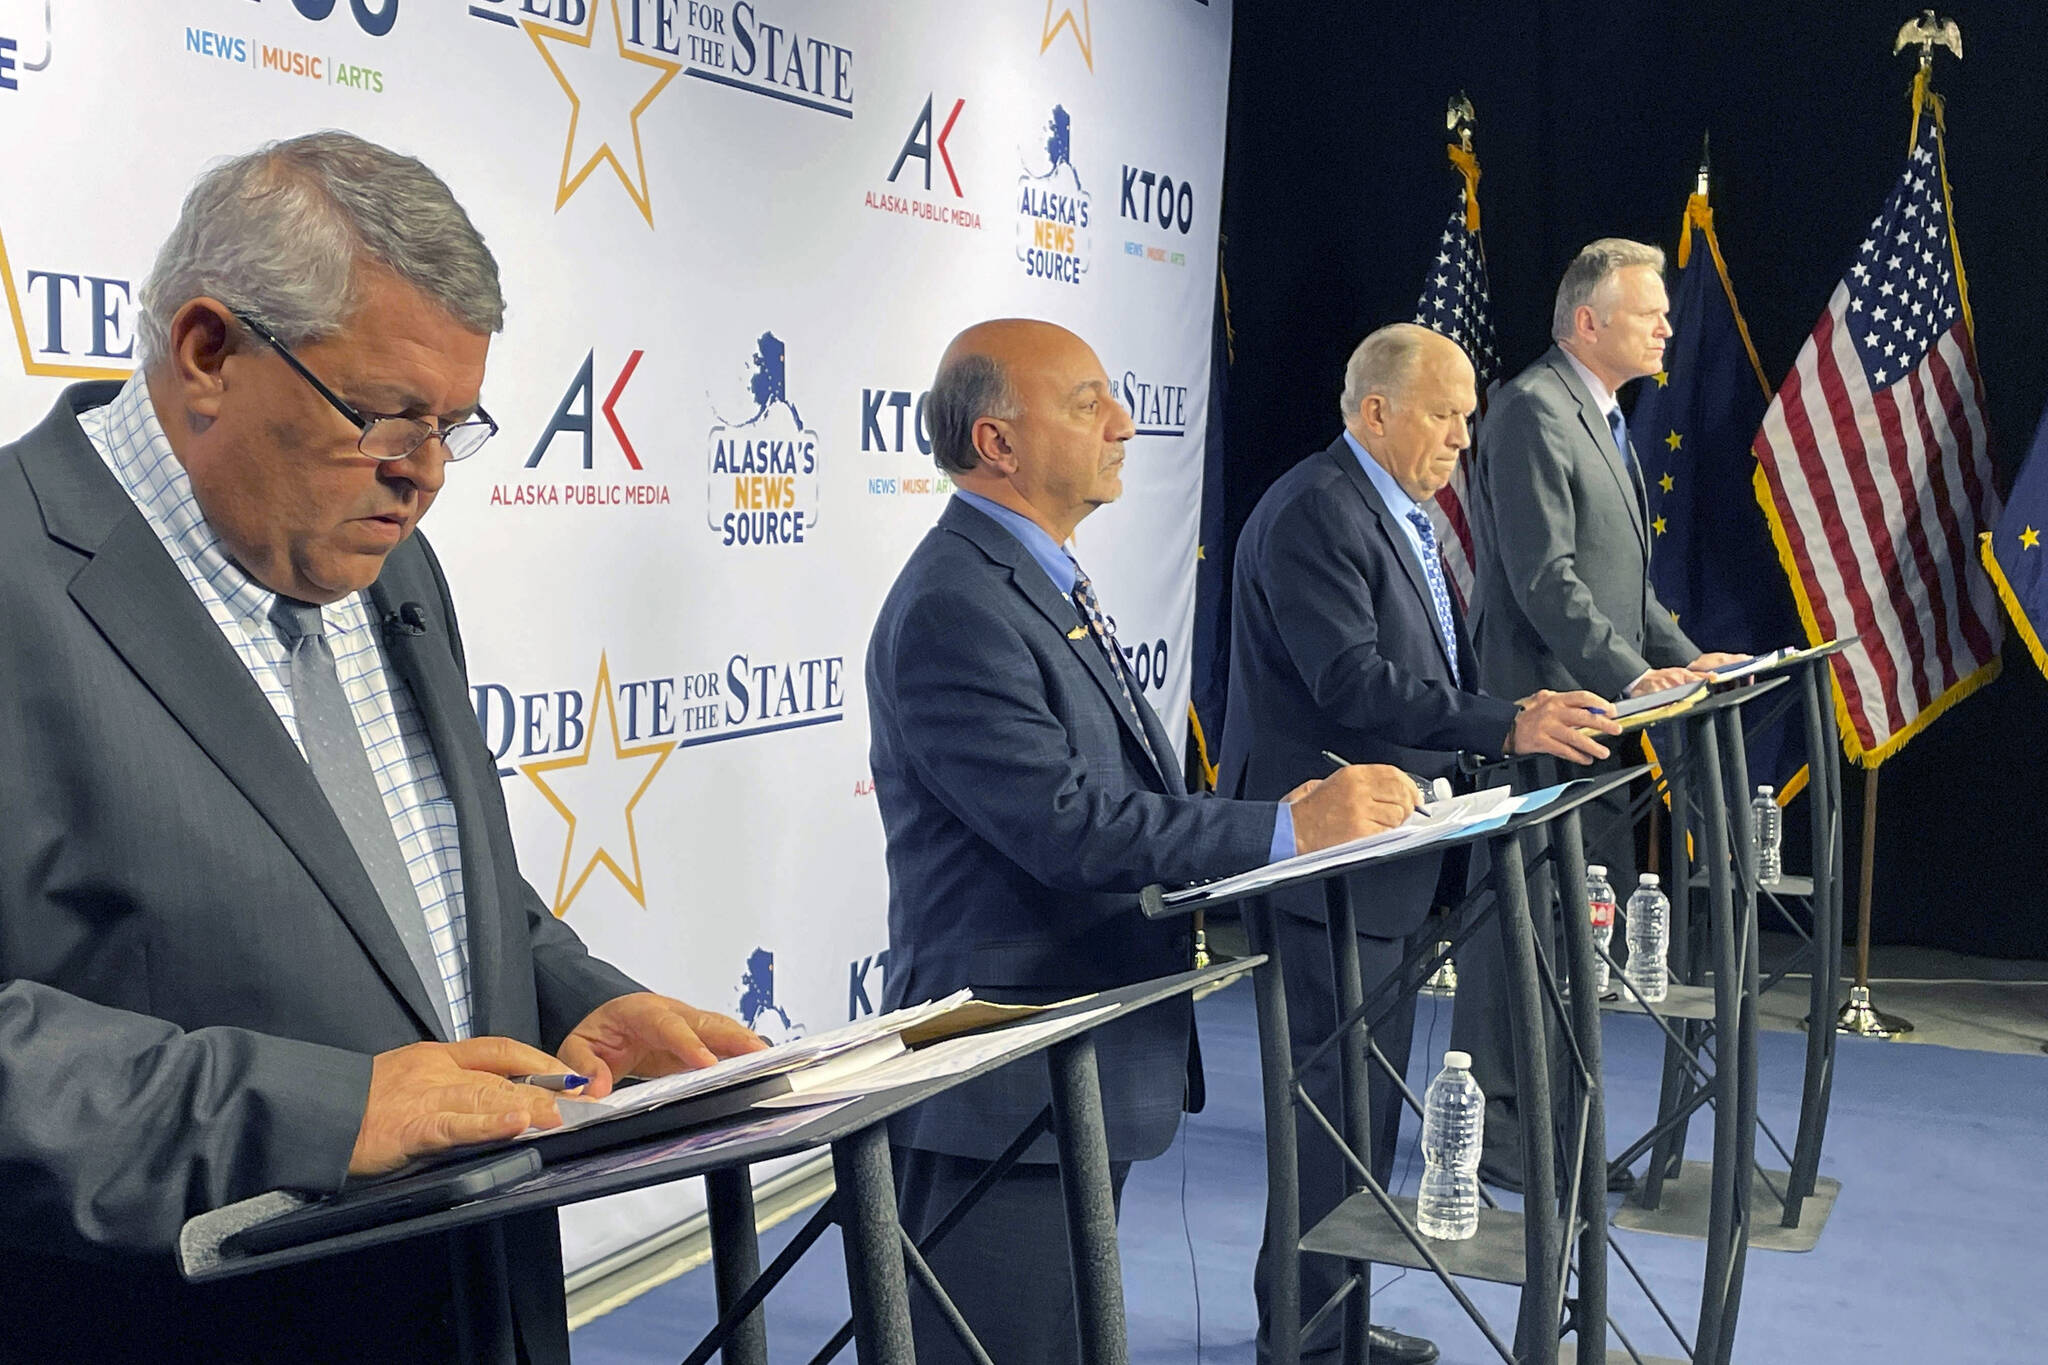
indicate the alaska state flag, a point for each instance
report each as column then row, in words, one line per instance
column 2014, row 553
column 1711, row 556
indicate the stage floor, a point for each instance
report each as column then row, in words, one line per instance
column 1930, row 1254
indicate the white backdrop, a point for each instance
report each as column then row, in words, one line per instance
column 735, row 236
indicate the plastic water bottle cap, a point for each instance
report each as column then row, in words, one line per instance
column 1648, row 879
column 1458, row 1061
column 1763, row 791
column 1596, row 869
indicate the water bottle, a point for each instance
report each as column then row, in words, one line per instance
column 1649, row 931
column 1453, row 1127
column 1767, row 824
column 1600, row 902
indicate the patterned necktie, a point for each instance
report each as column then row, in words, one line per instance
column 1439, row 594
column 1098, row 625
column 334, row 750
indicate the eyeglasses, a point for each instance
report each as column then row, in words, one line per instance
column 386, row 437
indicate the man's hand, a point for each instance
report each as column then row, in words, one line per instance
column 1663, row 679
column 428, row 1097
column 1554, row 722
column 651, row 1035
column 1707, row 663
column 1351, row 803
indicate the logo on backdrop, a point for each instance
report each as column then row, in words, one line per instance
column 763, row 472
column 737, row 46
column 1155, row 199
column 1053, row 209
column 1157, row 408
column 24, row 52
column 892, row 422
column 757, row 1008
column 594, row 754
column 65, row 319
column 861, row 993
column 1066, row 21
column 610, row 70
column 316, row 63
column 923, row 148
column 568, row 445
column 595, row 788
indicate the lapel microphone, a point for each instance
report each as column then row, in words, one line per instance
column 409, row 619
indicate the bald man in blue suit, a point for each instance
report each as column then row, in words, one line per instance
column 1028, row 792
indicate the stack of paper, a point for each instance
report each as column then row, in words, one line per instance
column 1437, row 821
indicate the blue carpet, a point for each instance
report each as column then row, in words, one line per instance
column 1926, row 1260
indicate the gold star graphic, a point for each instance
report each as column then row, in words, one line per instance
column 1674, row 440
column 2030, row 538
column 1665, row 483
column 1663, row 377
column 1084, row 31
column 613, row 84
column 595, row 790
column 1658, row 526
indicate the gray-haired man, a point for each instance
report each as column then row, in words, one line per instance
column 1562, row 597
column 260, row 919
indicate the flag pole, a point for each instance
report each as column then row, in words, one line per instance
column 1859, row 1016
column 1459, row 120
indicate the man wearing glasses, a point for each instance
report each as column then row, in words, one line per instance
column 261, row 924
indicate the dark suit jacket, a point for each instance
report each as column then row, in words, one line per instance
column 195, row 969
column 1334, row 645
column 1022, row 816
column 1562, row 594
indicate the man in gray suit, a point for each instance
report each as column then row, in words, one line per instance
column 1562, row 597
column 261, row 924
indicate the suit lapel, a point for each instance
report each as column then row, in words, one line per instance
column 1341, row 454
column 1594, row 420
column 425, row 663
column 1030, row 579
column 135, row 595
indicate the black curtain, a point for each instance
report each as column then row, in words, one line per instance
column 1591, row 116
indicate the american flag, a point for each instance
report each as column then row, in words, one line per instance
column 1874, row 472
column 1455, row 302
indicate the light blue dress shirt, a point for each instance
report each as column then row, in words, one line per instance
column 1398, row 502
column 1059, row 567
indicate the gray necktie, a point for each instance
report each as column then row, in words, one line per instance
column 334, row 750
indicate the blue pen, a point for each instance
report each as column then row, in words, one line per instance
column 560, row 1080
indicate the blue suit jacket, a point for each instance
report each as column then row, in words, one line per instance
column 1334, row 645
column 1022, row 816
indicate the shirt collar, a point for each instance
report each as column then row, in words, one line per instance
column 1397, row 499
column 131, row 441
column 1602, row 395
column 1059, row 566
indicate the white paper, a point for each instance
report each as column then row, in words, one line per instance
column 939, row 1060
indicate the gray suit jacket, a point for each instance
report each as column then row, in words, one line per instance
column 1563, row 596
column 195, row 969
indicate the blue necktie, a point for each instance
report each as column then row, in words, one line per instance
column 1105, row 636
column 1618, row 424
column 1439, row 594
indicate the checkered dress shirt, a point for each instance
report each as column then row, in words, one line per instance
column 129, row 438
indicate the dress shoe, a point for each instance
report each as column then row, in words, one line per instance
column 1385, row 1346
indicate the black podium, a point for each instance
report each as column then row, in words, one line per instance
column 880, row 1257
column 1534, row 1249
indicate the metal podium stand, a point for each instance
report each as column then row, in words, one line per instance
column 1534, row 1249
column 880, row 1257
